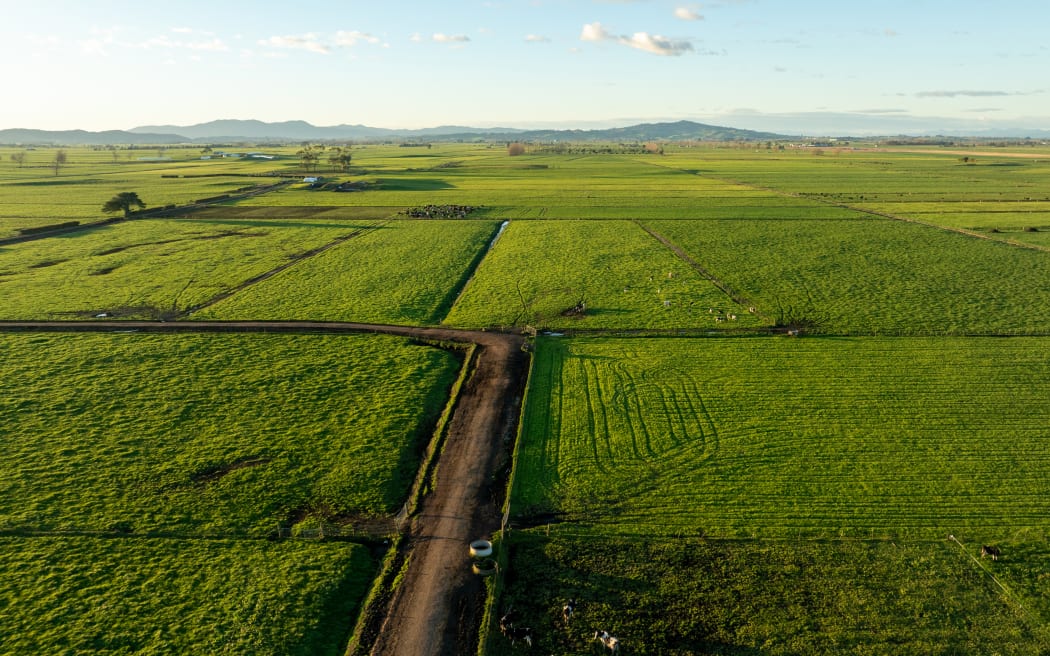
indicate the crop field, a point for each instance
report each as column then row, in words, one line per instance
column 781, row 437
column 211, row 433
column 151, row 267
column 873, row 276
column 540, row 269
column 79, row 595
column 401, row 272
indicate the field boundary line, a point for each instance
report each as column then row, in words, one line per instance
column 475, row 264
column 314, row 252
column 682, row 255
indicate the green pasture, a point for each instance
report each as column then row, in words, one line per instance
column 672, row 597
column 988, row 191
column 81, row 595
column 32, row 195
column 217, row 434
column 782, row 437
column 151, row 268
column 540, row 269
column 554, row 187
column 401, row 272
column 874, row 276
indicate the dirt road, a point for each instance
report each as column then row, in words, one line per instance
column 437, row 608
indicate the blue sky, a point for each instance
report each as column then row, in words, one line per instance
column 818, row 67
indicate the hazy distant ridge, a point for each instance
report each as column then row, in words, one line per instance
column 82, row 137
column 251, row 130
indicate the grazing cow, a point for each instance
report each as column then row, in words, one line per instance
column 988, row 550
column 611, row 643
column 506, row 622
column 516, row 633
column 568, row 610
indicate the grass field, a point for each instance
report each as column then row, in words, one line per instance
column 213, row 434
column 80, row 595
column 683, row 597
column 780, row 437
column 873, row 276
column 149, row 268
column 540, row 269
column 725, row 494
column 401, row 272
column 32, row 195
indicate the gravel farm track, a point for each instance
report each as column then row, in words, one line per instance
column 437, row 608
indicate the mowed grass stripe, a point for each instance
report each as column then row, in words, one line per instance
column 825, row 436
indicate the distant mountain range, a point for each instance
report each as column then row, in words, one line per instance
column 239, row 131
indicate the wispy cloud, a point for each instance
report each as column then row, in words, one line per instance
column 100, row 41
column 450, row 38
column 651, row 43
column 352, row 38
column 310, row 42
column 969, row 94
column 687, row 14
column 536, row 38
column 212, row 45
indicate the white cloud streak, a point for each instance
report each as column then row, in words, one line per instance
column 687, row 14
column 307, row 42
column 651, row 43
column 354, row 37
column 450, row 38
column 954, row 94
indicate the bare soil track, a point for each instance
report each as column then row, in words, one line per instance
column 437, row 608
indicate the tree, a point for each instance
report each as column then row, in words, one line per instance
column 59, row 161
column 516, row 149
column 340, row 157
column 19, row 158
column 308, row 157
column 123, row 202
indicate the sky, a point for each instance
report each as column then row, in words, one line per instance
column 796, row 66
